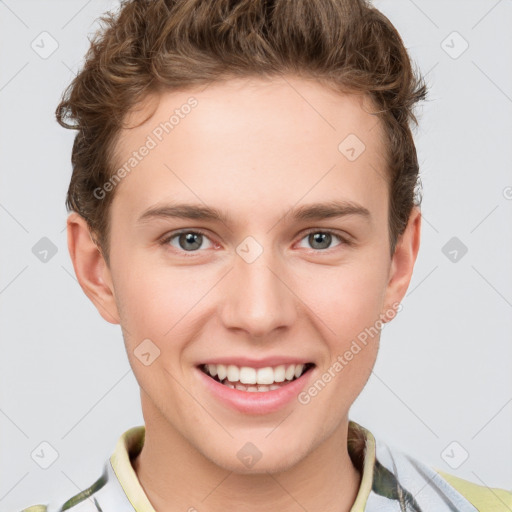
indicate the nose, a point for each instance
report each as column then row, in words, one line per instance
column 257, row 298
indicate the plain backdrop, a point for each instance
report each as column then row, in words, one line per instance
column 442, row 386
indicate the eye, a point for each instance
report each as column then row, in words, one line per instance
column 321, row 239
column 192, row 240
column 187, row 241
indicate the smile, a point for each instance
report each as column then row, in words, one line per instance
column 246, row 378
column 251, row 390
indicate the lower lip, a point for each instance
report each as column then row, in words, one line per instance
column 256, row 402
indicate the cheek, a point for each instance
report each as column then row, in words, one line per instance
column 159, row 303
column 347, row 299
column 346, row 308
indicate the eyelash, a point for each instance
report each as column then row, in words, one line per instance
column 168, row 238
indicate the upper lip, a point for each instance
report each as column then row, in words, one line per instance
column 256, row 363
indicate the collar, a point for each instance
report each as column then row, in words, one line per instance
column 361, row 448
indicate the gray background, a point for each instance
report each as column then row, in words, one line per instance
column 442, row 384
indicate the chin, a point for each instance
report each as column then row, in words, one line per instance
column 251, row 458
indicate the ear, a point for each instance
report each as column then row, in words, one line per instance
column 402, row 265
column 91, row 269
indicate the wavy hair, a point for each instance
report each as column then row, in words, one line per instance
column 152, row 46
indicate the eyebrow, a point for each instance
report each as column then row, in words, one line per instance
column 315, row 211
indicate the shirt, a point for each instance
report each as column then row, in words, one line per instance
column 391, row 481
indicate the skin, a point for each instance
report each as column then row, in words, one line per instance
column 256, row 149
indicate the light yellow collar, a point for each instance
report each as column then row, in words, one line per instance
column 361, row 444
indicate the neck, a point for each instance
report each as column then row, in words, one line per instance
column 175, row 476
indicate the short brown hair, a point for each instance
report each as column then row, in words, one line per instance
column 152, row 46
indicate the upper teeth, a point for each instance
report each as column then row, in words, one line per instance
column 248, row 375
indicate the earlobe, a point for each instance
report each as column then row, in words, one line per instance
column 402, row 264
column 91, row 269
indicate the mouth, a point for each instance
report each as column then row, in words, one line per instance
column 250, row 379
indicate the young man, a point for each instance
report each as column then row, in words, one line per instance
column 243, row 206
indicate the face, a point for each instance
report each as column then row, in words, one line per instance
column 253, row 233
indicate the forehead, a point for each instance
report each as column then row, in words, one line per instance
column 244, row 107
column 242, row 140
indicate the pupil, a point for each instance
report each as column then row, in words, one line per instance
column 190, row 238
column 324, row 238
